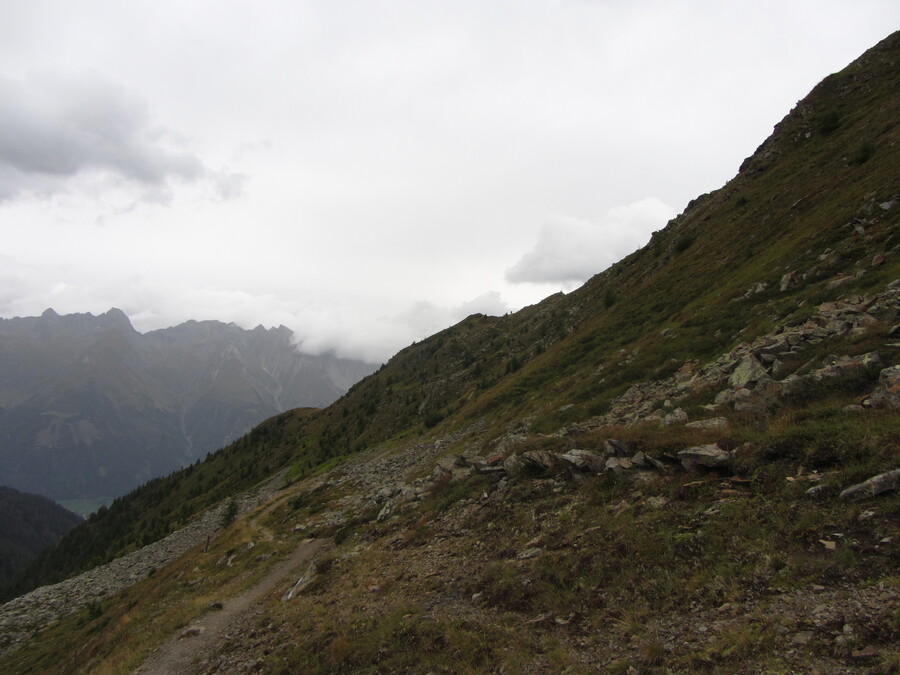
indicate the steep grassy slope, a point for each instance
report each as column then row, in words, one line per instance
column 657, row 569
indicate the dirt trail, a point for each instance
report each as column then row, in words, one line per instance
column 206, row 632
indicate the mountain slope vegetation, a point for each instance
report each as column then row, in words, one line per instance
column 30, row 524
column 662, row 471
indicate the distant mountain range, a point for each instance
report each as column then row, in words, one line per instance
column 90, row 408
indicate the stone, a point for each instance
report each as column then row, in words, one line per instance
column 618, row 464
column 529, row 553
column 708, row 456
column 816, row 491
column 750, row 402
column 384, row 494
column 385, row 512
column 789, row 281
column 876, row 485
column 711, row 423
column 542, row 460
column 616, row 447
column 514, row 465
column 887, row 393
column 677, row 416
column 747, row 373
column 584, row 460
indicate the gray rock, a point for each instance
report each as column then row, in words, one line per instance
column 711, row 423
column 748, row 372
column 616, row 447
column 618, row 464
column 529, row 553
column 584, row 460
column 709, row 456
column 789, row 281
column 514, row 465
column 543, row 461
column 677, row 416
column 887, row 393
column 875, row 485
column 750, row 402
column 816, row 491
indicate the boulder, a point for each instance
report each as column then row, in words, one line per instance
column 616, row 447
column 750, row 402
column 708, row 456
column 584, row 460
column 887, row 393
column 883, row 482
column 514, row 465
column 677, row 416
column 748, row 372
column 543, row 460
column 789, row 281
column 618, row 464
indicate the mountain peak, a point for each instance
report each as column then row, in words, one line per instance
column 116, row 318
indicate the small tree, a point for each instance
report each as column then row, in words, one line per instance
column 230, row 513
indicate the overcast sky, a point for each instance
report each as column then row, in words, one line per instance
column 367, row 173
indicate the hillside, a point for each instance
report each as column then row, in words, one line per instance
column 90, row 408
column 30, row 524
column 689, row 464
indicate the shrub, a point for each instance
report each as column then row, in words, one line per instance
column 863, row 152
column 829, row 122
column 683, row 243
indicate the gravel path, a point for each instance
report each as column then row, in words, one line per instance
column 180, row 653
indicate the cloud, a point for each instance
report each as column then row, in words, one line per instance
column 569, row 250
column 376, row 338
column 327, row 323
column 56, row 127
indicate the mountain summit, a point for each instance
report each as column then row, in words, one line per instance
column 689, row 464
column 90, row 408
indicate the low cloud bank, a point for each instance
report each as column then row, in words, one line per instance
column 569, row 250
column 337, row 327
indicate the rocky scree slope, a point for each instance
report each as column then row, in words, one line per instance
column 688, row 464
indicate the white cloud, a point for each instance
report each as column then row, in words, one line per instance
column 383, row 153
column 569, row 250
column 58, row 126
column 377, row 338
